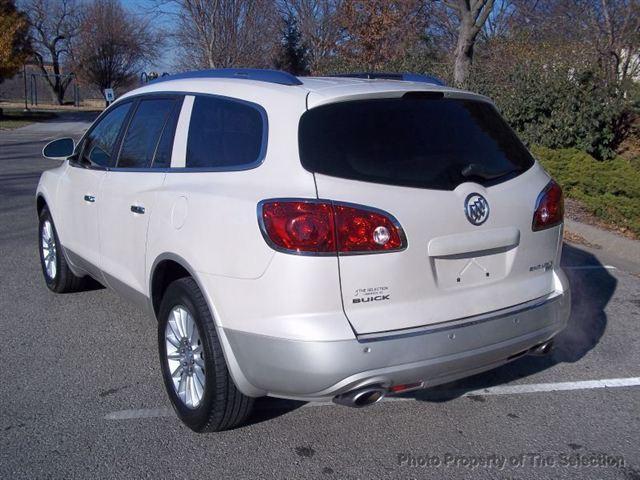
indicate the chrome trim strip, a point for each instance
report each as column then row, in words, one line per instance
column 236, row 168
column 84, row 265
column 461, row 322
column 128, row 293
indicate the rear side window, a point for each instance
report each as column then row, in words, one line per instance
column 140, row 141
column 425, row 142
column 162, row 158
column 224, row 134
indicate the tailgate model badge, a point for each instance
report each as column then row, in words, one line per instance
column 476, row 208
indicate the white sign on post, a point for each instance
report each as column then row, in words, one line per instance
column 109, row 95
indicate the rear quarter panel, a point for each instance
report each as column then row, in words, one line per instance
column 209, row 220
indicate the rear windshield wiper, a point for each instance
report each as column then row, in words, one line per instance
column 476, row 170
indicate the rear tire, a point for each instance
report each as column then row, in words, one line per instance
column 57, row 274
column 194, row 370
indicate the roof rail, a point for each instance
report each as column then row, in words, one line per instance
column 407, row 77
column 259, row 75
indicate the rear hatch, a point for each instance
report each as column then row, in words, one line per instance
column 429, row 160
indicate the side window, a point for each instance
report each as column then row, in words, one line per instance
column 99, row 143
column 140, row 141
column 162, row 158
column 223, row 133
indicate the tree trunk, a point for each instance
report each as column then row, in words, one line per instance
column 462, row 67
column 464, row 54
column 472, row 15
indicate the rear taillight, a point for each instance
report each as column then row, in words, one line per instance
column 549, row 207
column 299, row 226
column 319, row 227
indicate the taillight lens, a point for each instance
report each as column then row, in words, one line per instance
column 325, row 228
column 299, row 226
column 360, row 230
column 549, row 207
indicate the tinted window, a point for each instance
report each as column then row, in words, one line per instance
column 143, row 133
column 99, row 143
column 223, row 133
column 162, row 158
column 414, row 141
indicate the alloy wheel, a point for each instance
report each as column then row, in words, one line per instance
column 185, row 356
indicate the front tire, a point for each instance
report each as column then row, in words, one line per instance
column 57, row 274
column 195, row 373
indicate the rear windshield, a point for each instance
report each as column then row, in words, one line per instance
column 416, row 141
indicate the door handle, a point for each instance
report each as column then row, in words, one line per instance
column 89, row 198
column 137, row 209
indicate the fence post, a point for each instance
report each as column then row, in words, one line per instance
column 24, row 72
column 35, row 88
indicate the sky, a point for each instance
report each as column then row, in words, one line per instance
column 147, row 8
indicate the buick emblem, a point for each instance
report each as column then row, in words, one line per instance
column 476, row 208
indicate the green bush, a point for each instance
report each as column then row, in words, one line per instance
column 609, row 189
column 559, row 107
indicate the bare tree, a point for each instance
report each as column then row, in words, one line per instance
column 320, row 27
column 53, row 26
column 471, row 16
column 499, row 22
column 604, row 33
column 224, row 33
column 377, row 32
column 113, row 45
column 616, row 38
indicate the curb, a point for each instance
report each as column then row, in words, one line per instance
column 622, row 247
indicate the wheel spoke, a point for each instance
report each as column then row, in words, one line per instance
column 189, row 326
column 183, row 344
column 199, row 362
column 191, row 391
column 194, row 338
column 177, row 371
column 175, row 331
column 198, row 372
column 182, row 322
column 182, row 385
column 175, row 323
column 171, row 336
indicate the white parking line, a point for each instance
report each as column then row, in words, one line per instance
column 499, row 390
column 556, row 387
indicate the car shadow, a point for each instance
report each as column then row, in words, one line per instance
column 591, row 289
column 268, row 408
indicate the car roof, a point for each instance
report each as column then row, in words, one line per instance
column 315, row 91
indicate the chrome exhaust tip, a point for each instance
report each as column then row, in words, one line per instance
column 543, row 349
column 361, row 397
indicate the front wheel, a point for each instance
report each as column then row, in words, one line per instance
column 57, row 274
column 195, row 373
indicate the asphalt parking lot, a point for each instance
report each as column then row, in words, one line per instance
column 82, row 395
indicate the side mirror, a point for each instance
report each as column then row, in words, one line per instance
column 60, row 149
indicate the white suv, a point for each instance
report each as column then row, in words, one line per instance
column 310, row 238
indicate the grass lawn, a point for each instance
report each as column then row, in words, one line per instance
column 16, row 118
column 608, row 189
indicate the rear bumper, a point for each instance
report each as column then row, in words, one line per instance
column 308, row 370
